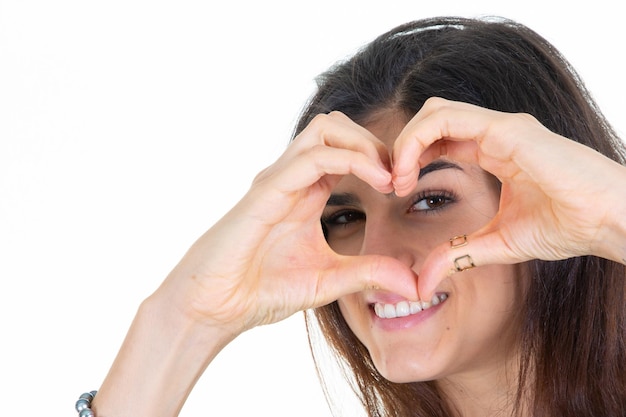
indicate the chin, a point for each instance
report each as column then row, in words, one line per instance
column 402, row 367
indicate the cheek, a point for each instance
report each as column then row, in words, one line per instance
column 354, row 312
column 349, row 245
column 490, row 299
column 351, row 309
column 498, row 285
column 489, row 284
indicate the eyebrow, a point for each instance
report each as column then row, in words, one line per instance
column 349, row 199
column 438, row 165
column 343, row 199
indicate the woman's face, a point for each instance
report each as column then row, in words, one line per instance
column 472, row 329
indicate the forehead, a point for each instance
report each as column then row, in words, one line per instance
column 386, row 125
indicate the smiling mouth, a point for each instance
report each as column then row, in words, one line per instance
column 407, row 308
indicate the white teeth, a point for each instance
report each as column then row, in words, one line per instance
column 390, row 311
column 416, row 307
column 406, row 308
column 402, row 309
column 379, row 310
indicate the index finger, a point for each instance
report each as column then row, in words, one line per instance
column 439, row 119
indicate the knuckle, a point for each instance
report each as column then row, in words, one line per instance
column 318, row 124
column 321, row 120
column 261, row 175
column 318, row 119
column 337, row 114
column 527, row 117
column 436, row 103
column 317, row 150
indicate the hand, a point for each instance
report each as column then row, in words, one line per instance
column 267, row 258
column 559, row 199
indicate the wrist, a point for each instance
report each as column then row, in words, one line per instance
column 611, row 242
column 163, row 355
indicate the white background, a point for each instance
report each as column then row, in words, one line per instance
column 128, row 127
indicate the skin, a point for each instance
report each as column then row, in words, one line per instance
column 468, row 341
column 240, row 273
column 541, row 215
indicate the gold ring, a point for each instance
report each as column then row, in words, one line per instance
column 463, row 262
column 458, row 241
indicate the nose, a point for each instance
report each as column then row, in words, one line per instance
column 385, row 237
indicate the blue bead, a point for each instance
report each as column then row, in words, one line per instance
column 81, row 404
column 86, row 396
column 86, row 413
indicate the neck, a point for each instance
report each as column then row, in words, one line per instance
column 484, row 393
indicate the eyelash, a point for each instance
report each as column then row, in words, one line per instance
column 446, row 197
column 331, row 220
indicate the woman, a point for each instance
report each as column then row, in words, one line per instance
column 470, row 255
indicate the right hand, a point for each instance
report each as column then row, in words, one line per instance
column 267, row 258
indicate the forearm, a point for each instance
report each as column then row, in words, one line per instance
column 162, row 357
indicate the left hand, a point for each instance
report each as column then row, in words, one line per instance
column 559, row 199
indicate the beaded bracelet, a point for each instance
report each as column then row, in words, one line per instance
column 83, row 405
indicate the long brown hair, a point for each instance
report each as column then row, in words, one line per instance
column 573, row 326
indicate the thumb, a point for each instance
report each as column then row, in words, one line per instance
column 459, row 254
column 366, row 272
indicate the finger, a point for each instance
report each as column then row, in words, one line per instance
column 361, row 273
column 335, row 129
column 441, row 150
column 438, row 119
column 507, row 143
column 462, row 253
column 309, row 167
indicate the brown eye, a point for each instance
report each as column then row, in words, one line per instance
column 432, row 202
column 437, row 201
column 343, row 217
column 341, row 224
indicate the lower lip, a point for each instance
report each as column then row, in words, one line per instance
column 406, row 322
